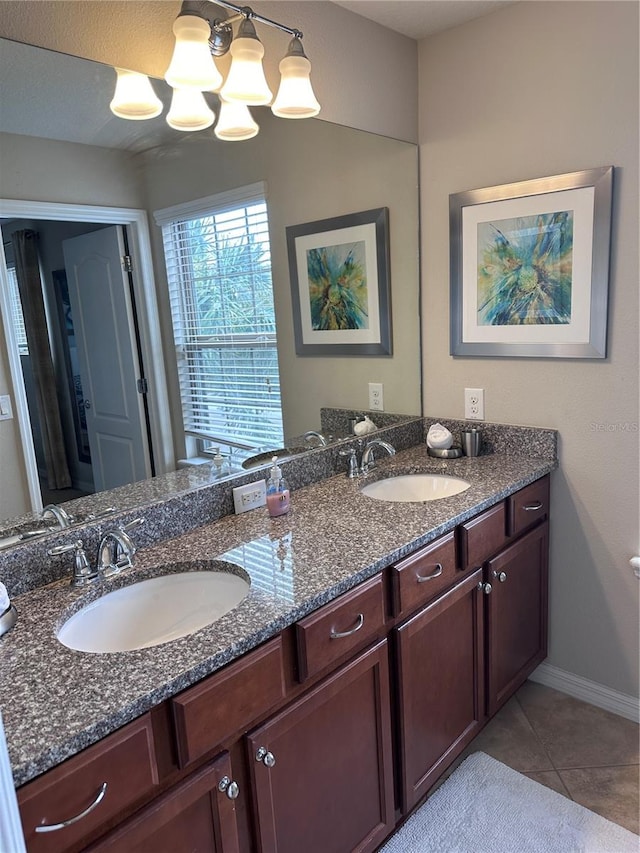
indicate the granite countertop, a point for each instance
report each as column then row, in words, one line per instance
column 56, row 701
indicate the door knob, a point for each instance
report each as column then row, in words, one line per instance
column 87, row 404
column 501, row 576
column 485, row 587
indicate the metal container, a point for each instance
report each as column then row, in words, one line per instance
column 471, row 441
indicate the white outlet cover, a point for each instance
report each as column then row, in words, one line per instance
column 259, row 489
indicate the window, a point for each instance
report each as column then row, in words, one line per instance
column 218, row 261
column 17, row 317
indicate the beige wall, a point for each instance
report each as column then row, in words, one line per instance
column 34, row 169
column 540, row 89
column 363, row 74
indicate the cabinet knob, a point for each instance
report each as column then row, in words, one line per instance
column 266, row 757
column 501, row 576
column 226, row 786
column 485, row 587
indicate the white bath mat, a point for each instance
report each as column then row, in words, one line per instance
column 486, row 807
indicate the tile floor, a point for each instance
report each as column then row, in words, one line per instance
column 583, row 752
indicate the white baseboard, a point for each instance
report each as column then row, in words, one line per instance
column 589, row 691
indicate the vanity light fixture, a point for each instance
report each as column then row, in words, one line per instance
column 235, row 122
column 189, row 111
column 201, row 36
column 134, row 97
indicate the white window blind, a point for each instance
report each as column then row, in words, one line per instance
column 218, row 261
column 17, row 316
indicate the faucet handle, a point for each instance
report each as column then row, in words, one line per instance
column 82, row 572
column 352, row 462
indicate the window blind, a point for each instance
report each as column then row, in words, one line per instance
column 219, row 273
column 17, row 317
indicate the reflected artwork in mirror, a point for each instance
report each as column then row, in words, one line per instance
column 86, row 156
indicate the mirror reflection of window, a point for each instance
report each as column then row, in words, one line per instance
column 17, row 317
column 218, row 261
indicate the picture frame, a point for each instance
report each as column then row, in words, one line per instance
column 341, row 285
column 530, row 267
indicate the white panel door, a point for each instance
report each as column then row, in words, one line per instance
column 101, row 306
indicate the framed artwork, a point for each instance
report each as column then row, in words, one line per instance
column 340, row 284
column 530, row 267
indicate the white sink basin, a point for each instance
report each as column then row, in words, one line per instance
column 153, row 611
column 415, row 488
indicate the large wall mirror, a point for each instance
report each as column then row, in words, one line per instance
column 60, row 146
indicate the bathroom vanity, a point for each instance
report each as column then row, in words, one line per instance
column 318, row 719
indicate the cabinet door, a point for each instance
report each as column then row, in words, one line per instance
column 195, row 816
column 440, row 687
column 516, row 614
column 321, row 769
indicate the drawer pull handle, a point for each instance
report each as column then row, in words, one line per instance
column 534, row 507
column 52, row 827
column 335, row 635
column 436, row 574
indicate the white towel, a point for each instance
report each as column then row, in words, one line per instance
column 439, row 437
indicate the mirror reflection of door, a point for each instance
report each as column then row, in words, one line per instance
column 92, row 336
column 100, row 296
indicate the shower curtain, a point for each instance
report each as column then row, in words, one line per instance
column 25, row 247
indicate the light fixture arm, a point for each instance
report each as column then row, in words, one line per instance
column 247, row 12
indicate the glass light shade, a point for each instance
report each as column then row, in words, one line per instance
column 235, row 122
column 192, row 66
column 295, row 98
column 134, row 97
column 246, row 82
column 189, row 111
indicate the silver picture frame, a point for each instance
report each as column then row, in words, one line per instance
column 487, row 317
column 354, row 238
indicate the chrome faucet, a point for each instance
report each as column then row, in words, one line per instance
column 115, row 553
column 322, row 441
column 367, row 461
column 60, row 515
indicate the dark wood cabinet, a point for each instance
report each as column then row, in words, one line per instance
column 312, row 717
column 321, row 769
column 440, row 667
column 195, row 815
column 516, row 611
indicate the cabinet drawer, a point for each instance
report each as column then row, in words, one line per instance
column 123, row 766
column 340, row 627
column 482, row 537
column 424, row 574
column 227, row 701
column 528, row 506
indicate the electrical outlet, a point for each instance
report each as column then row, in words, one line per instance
column 376, row 397
column 5, row 408
column 474, row 404
column 249, row 496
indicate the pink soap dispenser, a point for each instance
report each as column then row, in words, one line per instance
column 277, row 491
